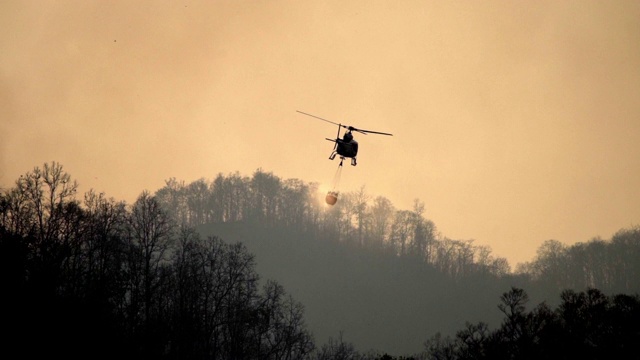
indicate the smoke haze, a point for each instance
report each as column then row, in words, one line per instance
column 513, row 122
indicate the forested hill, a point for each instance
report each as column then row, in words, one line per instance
column 366, row 222
column 138, row 278
column 358, row 218
column 385, row 276
column 378, row 301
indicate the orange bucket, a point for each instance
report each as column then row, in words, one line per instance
column 332, row 197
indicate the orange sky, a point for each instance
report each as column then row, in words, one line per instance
column 514, row 122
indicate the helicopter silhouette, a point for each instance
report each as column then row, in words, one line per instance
column 347, row 147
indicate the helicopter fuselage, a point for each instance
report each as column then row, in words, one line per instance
column 347, row 148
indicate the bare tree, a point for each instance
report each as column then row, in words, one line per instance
column 230, row 196
column 103, row 235
column 16, row 210
column 37, row 203
column 294, row 205
column 280, row 330
column 265, row 190
column 401, row 231
column 197, row 199
column 381, row 217
column 173, row 197
column 337, row 349
column 359, row 209
column 150, row 235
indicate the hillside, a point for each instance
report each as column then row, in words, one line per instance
column 376, row 299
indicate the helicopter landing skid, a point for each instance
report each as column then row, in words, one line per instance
column 333, row 156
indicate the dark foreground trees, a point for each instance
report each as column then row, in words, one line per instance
column 106, row 280
column 586, row 325
column 219, row 312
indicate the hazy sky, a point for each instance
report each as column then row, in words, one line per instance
column 514, row 122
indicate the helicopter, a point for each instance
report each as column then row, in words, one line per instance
column 346, row 147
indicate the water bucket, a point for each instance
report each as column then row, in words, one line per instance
column 332, row 197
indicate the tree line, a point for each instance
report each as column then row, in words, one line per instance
column 358, row 218
column 103, row 277
column 612, row 266
column 373, row 222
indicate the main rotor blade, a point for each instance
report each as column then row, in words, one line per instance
column 377, row 132
column 368, row 131
column 317, row 117
column 350, row 128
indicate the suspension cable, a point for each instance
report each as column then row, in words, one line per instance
column 337, row 176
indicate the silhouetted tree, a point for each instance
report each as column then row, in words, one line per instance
column 295, row 206
column 198, row 197
column 337, row 349
column 381, row 217
column 173, row 197
column 625, row 260
column 401, row 231
column 103, row 244
column 149, row 237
